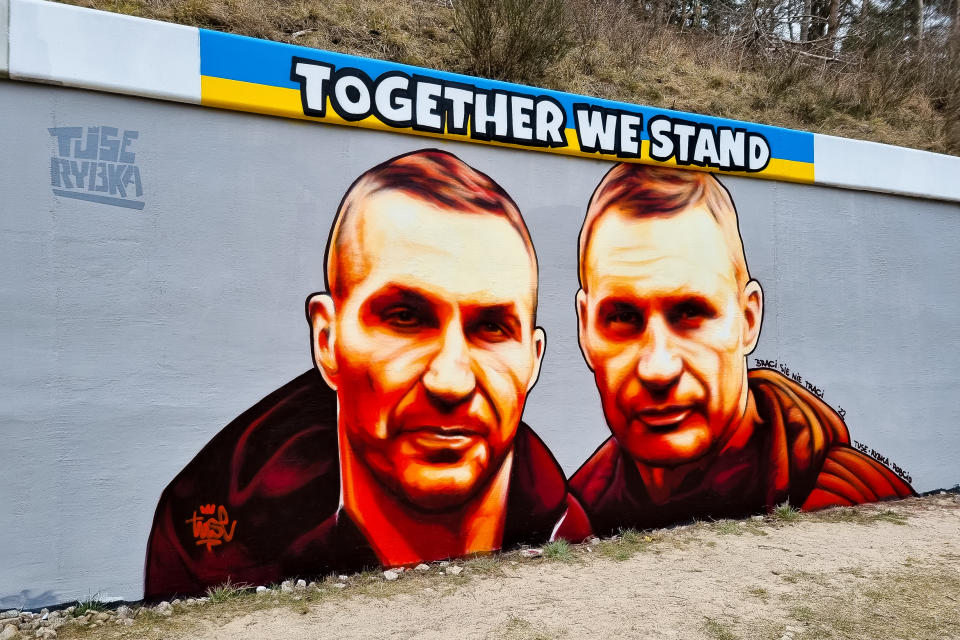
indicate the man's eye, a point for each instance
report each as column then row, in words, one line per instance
column 491, row 331
column 624, row 317
column 402, row 317
column 689, row 314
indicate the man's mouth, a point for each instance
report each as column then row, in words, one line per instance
column 665, row 417
column 443, row 445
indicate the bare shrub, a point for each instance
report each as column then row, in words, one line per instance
column 510, row 39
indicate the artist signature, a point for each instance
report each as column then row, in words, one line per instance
column 214, row 529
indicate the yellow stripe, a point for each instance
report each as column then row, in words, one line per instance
column 279, row 101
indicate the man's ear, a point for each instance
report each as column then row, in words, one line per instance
column 539, row 346
column 582, row 315
column 322, row 319
column 753, row 315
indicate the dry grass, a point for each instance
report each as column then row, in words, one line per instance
column 916, row 600
column 610, row 55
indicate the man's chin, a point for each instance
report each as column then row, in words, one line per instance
column 670, row 449
column 441, row 487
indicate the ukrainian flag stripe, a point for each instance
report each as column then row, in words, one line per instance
column 248, row 74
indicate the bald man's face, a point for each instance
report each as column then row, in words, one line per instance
column 666, row 329
column 433, row 345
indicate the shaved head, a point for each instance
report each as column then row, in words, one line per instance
column 636, row 191
column 437, row 178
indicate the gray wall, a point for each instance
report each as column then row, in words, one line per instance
column 130, row 337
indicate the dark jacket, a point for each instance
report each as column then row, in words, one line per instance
column 260, row 501
column 804, row 454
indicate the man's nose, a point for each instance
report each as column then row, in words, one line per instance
column 449, row 378
column 659, row 366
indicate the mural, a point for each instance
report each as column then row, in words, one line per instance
column 404, row 444
column 667, row 315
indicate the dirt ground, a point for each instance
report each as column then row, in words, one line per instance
column 886, row 571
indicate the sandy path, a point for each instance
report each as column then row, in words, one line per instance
column 804, row 580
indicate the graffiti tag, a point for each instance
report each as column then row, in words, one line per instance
column 876, row 455
column 793, row 375
column 215, row 529
column 96, row 165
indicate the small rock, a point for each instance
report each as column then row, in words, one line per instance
column 391, row 575
column 126, row 622
column 71, row 609
column 189, row 602
column 312, row 585
column 514, row 563
column 339, row 585
column 101, row 617
column 422, row 567
column 46, row 633
column 9, row 632
column 28, row 626
column 175, row 602
column 166, row 613
column 531, row 553
column 301, row 584
column 123, row 611
column 593, row 540
column 286, row 586
column 203, row 600
column 454, row 571
column 262, row 589
column 444, row 563
column 343, row 578
column 756, row 518
column 11, row 613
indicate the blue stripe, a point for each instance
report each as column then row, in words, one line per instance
column 233, row 57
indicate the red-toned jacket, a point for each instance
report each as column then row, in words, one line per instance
column 805, row 458
column 260, row 501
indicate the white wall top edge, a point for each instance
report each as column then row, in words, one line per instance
column 4, row 37
column 75, row 46
column 872, row 166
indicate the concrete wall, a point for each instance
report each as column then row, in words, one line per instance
column 136, row 325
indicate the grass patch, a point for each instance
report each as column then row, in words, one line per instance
column 486, row 564
column 630, row 536
column 728, row 528
column 716, row 629
column 861, row 516
column 629, row 542
column 759, row 592
column 516, row 628
column 226, row 591
column 90, row 605
column 558, row 550
column 785, row 513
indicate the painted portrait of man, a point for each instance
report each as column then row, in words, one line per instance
column 667, row 314
column 405, row 442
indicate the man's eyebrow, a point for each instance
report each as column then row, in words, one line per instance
column 504, row 312
column 396, row 293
